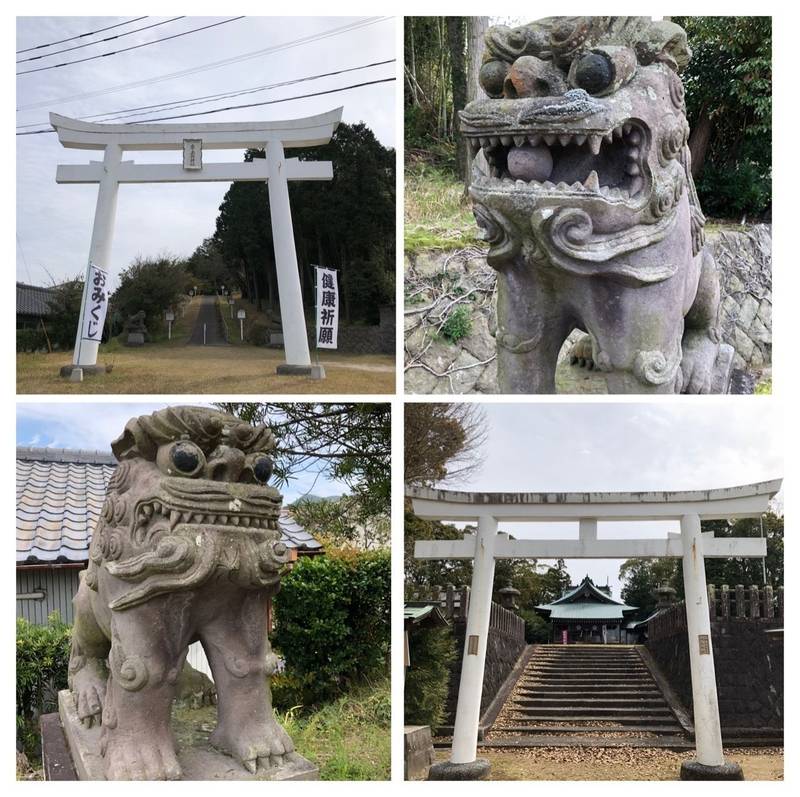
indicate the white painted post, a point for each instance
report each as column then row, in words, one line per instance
column 468, row 710
column 204, row 334
column 708, row 735
column 295, row 340
column 100, row 248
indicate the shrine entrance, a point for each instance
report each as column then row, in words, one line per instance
column 193, row 140
column 684, row 509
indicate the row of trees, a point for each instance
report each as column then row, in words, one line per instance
column 347, row 224
column 728, row 94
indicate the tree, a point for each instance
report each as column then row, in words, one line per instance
column 342, row 522
column 207, row 266
column 456, row 33
column 153, row 285
column 352, row 442
column 347, row 224
column 729, row 104
column 65, row 307
column 442, row 442
column 640, row 577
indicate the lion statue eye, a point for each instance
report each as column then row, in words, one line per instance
column 262, row 469
column 594, row 72
column 186, row 458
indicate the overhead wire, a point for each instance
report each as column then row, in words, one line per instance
column 213, row 65
column 99, row 41
column 128, row 49
column 237, row 107
column 111, row 116
column 80, row 35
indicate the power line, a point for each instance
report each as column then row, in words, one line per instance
column 128, row 49
column 236, row 107
column 213, row 65
column 99, row 41
column 111, row 116
column 80, row 35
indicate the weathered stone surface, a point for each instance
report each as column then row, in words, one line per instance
column 418, row 751
column 694, row 770
column 198, row 759
column 738, row 252
column 587, row 201
column 187, row 547
column 446, row 770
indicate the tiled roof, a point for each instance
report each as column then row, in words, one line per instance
column 585, row 602
column 60, row 495
column 33, row 299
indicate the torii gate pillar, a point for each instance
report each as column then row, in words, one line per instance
column 276, row 170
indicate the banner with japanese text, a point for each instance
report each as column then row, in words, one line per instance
column 327, row 308
column 94, row 309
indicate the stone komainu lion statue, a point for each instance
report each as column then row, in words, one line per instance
column 187, row 549
column 585, row 195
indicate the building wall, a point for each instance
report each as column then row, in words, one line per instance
column 59, row 585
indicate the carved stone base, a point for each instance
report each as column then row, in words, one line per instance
column 312, row 371
column 720, row 381
column 135, row 339
column 198, row 760
column 447, row 770
column 694, row 770
column 70, row 371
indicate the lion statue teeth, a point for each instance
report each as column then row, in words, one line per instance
column 187, row 549
column 582, row 185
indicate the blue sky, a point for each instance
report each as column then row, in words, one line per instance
column 581, row 446
column 54, row 222
column 92, row 426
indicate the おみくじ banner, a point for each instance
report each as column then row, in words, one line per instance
column 94, row 309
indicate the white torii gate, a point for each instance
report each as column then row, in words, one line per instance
column 276, row 170
column 692, row 546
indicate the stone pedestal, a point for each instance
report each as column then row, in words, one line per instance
column 135, row 339
column 75, row 373
column 417, row 751
column 447, row 770
column 312, row 371
column 198, row 760
column 694, row 770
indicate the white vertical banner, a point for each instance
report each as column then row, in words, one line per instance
column 327, row 308
column 94, row 309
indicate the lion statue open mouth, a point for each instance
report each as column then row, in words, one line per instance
column 582, row 184
column 187, row 549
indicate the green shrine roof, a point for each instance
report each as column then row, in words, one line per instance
column 585, row 602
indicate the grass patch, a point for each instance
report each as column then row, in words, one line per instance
column 764, row 388
column 348, row 739
column 176, row 368
column 458, row 324
column 436, row 214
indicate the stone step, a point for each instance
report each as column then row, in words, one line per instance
column 622, row 719
column 591, row 692
column 571, row 711
column 603, row 669
column 549, row 729
column 588, row 680
column 591, row 702
column 666, row 742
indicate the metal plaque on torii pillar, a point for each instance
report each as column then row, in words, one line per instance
column 192, row 139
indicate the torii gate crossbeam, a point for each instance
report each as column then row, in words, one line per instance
column 276, row 170
column 691, row 545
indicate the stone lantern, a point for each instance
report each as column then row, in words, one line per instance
column 508, row 597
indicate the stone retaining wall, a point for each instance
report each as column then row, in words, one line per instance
column 749, row 669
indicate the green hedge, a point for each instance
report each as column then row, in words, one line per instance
column 431, row 653
column 332, row 620
column 42, row 661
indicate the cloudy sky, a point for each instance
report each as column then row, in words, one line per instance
column 576, row 447
column 54, row 222
column 92, row 427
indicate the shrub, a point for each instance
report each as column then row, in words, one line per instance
column 431, row 653
column 31, row 340
column 332, row 618
column 257, row 333
column 42, row 661
column 537, row 629
column 458, row 324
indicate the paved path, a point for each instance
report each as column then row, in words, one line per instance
column 207, row 314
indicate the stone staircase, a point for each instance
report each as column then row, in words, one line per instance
column 587, row 695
